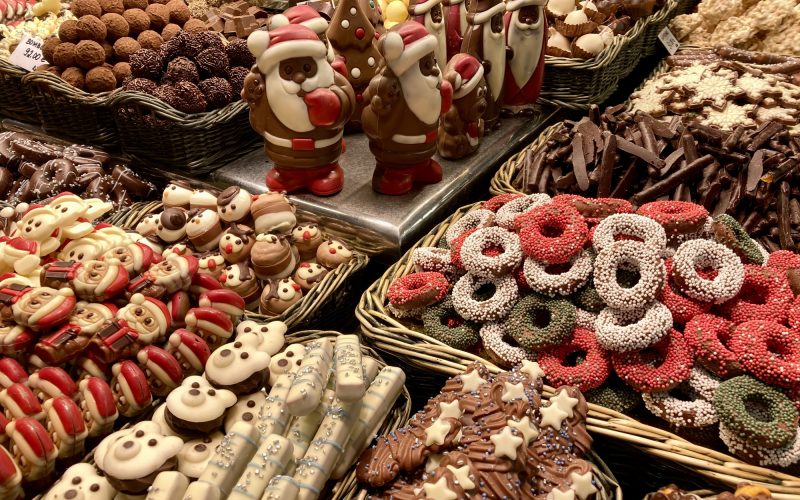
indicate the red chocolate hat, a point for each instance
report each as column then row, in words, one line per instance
column 202, row 283
column 50, row 382
column 32, row 439
column 209, row 321
column 155, row 307
column 190, row 347
column 225, row 300
column 12, row 372
column 304, row 15
column 68, row 414
column 98, row 395
column 179, row 304
column 289, row 41
column 20, row 402
column 162, row 364
column 10, row 476
column 469, row 71
column 132, row 383
column 405, row 44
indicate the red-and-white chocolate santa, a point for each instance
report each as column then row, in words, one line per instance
column 526, row 39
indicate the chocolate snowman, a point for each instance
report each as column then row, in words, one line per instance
column 233, row 204
column 236, row 242
column 461, row 128
column 278, row 296
column 273, row 213
column 204, row 230
column 307, row 237
column 273, row 256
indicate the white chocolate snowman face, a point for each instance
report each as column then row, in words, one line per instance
column 233, row 276
column 245, row 410
column 286, row 361
column 176, row 196
column 201, row 223
column 196, row 400
column 202, row 199
column 81, row 482
column 38, row 224
column 270, row 335
column 233, row 245
column 195, row 454
column 305, row 232
column 288, row 289
column 212, row 264
column 148, row 226
column 68, row 209
column 235, row 362
column 137, row 453
column 237, row 208
column 171, row 225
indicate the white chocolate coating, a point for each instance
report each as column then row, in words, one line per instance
column 306, row 390
column 91, row 485
column 202, row 491
column 273, row 416
column 195, row 454
column 231, row 457
column 269, row 461
column 271, row 335
column 246, row 409
column 196, row 400
column 168, row 485
column 281, row 488
column 349, row 375
column 289, row 360
column 236, row 361
column 136, row 452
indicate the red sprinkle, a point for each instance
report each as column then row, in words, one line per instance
column 677, row 217
column 765, row 293
column 658, row 368
column 590, row 373
column 552, row 234
column 496, row 203
column 769, row 351
column 416, row 290
column 783, row 260
column 683, row 308
column 455, row 248
column 708, row 335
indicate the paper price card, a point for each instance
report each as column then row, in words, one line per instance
column 28, row 54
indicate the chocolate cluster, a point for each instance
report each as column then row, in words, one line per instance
column 236, row 19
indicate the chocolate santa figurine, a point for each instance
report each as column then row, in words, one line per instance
column 352, row 37
column 526, row 39
column 405, row 100
column 299, row 104
column 485, row 39
column 307, row 16
column 429, row 14
column 461, row 128
column 455, row 23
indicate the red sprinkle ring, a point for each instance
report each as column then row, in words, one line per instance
column 594, row 209
column 783, row 260
column 793, row 317
column 552, row 234
column 765, row 293
column 657, row 368
column 682, row 307
column 496, row 203
column 587, row 374
column 708, row 336
column 769, row 351
column 455, row 248
column 417, row 290
column 677, row 217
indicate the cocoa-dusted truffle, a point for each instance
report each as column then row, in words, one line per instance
column 141, row 85
column 91, row 28
column 86, row 8
column 236, row 77
column 64, row 55
column 190, row 98
column 125, row 47
column 49, row 47
column 180, row 69
column 150, row 40
column 116, row 26
column 167, row 94
column 146, row 63
column 121, row 70
column 194, row 26
column 108, row 49
column 135, row 4
column 112, row 6
column 209, row 40
column 217, row 91
column 89, row 54
column 50, row 69
column 75, row 77
column 159, row 15
column 239, row 54
column 178, row 12
column 68, row 31
column 170, row 31
column 138, row 20
column 100, row 79
column 212, row 62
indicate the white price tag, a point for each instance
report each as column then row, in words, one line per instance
column 28, row 53
column 668, row 39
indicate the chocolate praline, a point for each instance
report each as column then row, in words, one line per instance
column 217, row 91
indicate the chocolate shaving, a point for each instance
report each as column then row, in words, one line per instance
column 606, row 166
column 784, row 217
column 579, row 163
column 645, row 154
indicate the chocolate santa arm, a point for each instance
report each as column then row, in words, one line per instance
column 270, row 460
column 306, row 391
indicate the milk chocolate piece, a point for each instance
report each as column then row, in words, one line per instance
column 669, row 183
column 784, row 222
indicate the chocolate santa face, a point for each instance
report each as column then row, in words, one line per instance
column 171, row 225
column 177, row 194
column 82, row 250
column 161, row 368
column 134, row 257
column 235, row 244
column 131, row 391
column 65, row 424
column 15, row 340
column 99, row 280
column 148, row 316
column 90, row 316
column 32, row 448
column 51, row 382
column 42, row 307
column 204, row 230
column 308, row 274
column 38, row 224
column 307, row 237
column 190, row 350
column 273, row 257
column 173, row 273
column 233, row 204
column 81, row 481
column 98, row 406
column 279, row 295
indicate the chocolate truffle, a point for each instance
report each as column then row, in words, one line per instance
column 74, row 76
column 135, row 4
column 146, row 63
column 170, row 31
column 64, row 55
column 167, row 94
column 194, row 26
column 68, row 31
column 112, row 6
column 49, row 48
column 150, row 40
column 50, row 69
column 191, row 45
column 212, row 62
column 217, row 91
column 86, row 8
column 159, row 15
column 141, row 85
column 180, row 69
column 125, row 47
column 89, row 54
column 239, row 54
column 121, row 70
column 100, row 79
column 108, row 49
column 116, row 26
column 237, row 76
column 190, row 98
column 209, row 40
column 138, row 20
column 91, row 28
column 178, row 12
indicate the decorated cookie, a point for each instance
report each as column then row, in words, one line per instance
column 246, row 409
column 238, row 366
column 204, row 230
column 148, row 316
column 190, row 350
column 308, row 274
column 236, row 242
column 177, row 194
column 270, row 335
column 98, row 406
column 195, row 454
column 130, row 389
column 273, row 213
column 333, row 253
column 163, row 371
column 32, row 448
column 233, row 204
column 307, row 238
column 273, row 256
column 64, row 422
column 197, row 407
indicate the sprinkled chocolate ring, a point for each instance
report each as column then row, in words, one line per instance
column 782, row 457
column 587, row 298
column 594, row 209
column 707, row 335
column 585, row 319
column 658, row 368
column 683, row 308
column 537, row 321
column 727, row 231
column 776, row 424
column 474, row 257
column 703, row 254
column 497, row 202
column 678, row 411
column 417, row 290
column 559, row 279
column 783, row 260
column 676, row 217
column 504, row 354
column 472, row 220
column 455, row 248
column 615, row 395
column 587, row 374
column 552, row 234
column 443, row 323
column 764, row 294
column 631, row 255
column 622, row 331
column 508, row 213
column 632, row 226
column 793, row 316
column 498, row 302
column 769, row 351
column 432, row 259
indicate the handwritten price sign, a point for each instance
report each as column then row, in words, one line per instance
column 28, row 53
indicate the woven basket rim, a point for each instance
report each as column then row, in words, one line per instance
column 151, row 104
column 388, row 334
column 48, row 82
column 9, row 68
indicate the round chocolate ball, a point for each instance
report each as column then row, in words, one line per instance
column 178, row 12
column 89, row 54
column 109, row 50
column 86, row 8
column 217, row 91
column 181, row 69
column 68, row 31
column 138, row 20
column 122, row 71
column 116, row 26
column 167, row 94
column 239, row 54
column 150, row 40
column 146, row 63
column 75, row 77
column 125, row 47
column 194, row 26
column 49, row 48
column 141, row 85
column 100, row 79
column 64, row 55
column 190, row 98
column 135, row 4
column 209, row 40
column 159, row 15
column 112, row 6
column 212, row 62
column 91, row 28
column 236, row 77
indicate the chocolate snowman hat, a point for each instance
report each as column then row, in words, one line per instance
column 97, row 401
column 51, row 381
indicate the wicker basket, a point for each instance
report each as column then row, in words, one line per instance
column 72, row 113
column 16, row 97
column 504, row 180
column 322, row 305
column 656, row 23
column 194, row 143
column 404, row 342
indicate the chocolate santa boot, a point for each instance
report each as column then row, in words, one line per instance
column 285, row 180
column 392, row 181
column 428, row 172
column 329, row 181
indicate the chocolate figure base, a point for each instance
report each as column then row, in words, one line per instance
column 247, row 386
column 187, row 428
column 139, row 485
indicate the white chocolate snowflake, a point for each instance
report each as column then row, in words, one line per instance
column 730, row 117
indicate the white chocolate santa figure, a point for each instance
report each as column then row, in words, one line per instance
column 299, row 104
column 485, row 39
column 455, row 15
column 429, row 13
column 526, row 39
